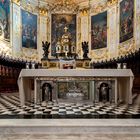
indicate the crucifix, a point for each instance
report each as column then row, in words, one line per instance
column 65, row 29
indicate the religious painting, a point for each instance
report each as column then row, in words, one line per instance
column 60, row 22
column 73, row 90
column 126, row 20
column 5, row 20
column 99, row 31
column 29, row 30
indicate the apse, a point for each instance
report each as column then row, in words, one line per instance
column 69, row 58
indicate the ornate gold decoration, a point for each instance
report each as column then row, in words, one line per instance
column 99, row 54
column 29, row 54
column 127, row 47
column 111, row 2
column 16, row 2
column 5, row 48
column 84, row 11
column 64, row 6
column 43, row 11
column 98, row 8
column 28, row 6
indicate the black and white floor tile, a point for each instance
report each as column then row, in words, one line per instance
column 10, row 108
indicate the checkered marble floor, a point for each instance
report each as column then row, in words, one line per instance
column 10, row 107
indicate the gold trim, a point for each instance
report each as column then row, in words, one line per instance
column 98, row 8
column 84, row 12
column 100, row 54
column 111, row 2
column 16, row 2
column 127, row 47
column 30, row 54
column 43, row 11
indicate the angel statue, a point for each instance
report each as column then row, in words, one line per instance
column 85, row 49
column 45, row 46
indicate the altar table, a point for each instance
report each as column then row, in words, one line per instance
column 123, row 80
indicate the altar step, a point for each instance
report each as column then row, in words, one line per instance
column 70, row 129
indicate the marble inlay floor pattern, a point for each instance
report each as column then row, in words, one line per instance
column 10, row 107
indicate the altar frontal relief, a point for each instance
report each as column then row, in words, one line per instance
column 59, row 22
column 5, row 19
column 99, row 31
column 29, row 30
column 126, row 19
column 73, row 90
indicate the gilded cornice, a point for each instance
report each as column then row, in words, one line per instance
column 100, row 7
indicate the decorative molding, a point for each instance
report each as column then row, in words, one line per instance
column 98, row 8
column 29, row 54
column 16, row 2
column 111, row 2
column 5, row 47
column 43, row 11
column 127, row 47
column 84, row 12
column 28, row 6
column 64, row 6
column 99, row 54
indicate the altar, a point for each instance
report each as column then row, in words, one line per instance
column 119, row 83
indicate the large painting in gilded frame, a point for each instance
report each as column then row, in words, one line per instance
column 5, row 20
column 59, row 22
column 29, row 30
column 126, row 20
column 99, row 31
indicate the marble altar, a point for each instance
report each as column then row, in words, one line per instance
column 123, row 79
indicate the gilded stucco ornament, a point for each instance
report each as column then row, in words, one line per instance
column 111, row 2
column 84, row 11
column 16, row 2
column 100, row 54
column 30, row 54
column 98, row 8
column 127, row 47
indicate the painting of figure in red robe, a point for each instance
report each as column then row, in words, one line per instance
column 99, row 31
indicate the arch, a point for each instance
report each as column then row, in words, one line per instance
column 104, row 92
column 47, row 92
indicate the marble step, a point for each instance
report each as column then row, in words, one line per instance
column 70, row 126
column 70, row 137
